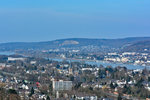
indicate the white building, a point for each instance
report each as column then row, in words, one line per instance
column 62, row 85
column 14, row 59
column 33, row 62
column 2, row 65
column 129, row 53
column 83, row 69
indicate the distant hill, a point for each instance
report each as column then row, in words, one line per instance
column 142, row 46
column 75, row 43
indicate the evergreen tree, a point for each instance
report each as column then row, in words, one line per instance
column 112, row 86
column 32, row 92
column 119, row 97
column 48, row 98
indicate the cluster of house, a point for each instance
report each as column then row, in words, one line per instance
column 24, row 86
column 129, row 57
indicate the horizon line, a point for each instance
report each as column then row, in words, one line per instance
column 74, row 38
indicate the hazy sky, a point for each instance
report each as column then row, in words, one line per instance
column 44, row 20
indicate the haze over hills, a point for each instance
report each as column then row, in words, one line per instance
column 130, row 44
column 139, row 46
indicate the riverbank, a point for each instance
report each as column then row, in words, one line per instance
column 104, row 63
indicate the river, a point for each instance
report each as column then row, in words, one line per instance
column 7, row 53
column 104, row 63
column 98, row 63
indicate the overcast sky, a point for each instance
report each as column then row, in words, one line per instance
column 44, row 20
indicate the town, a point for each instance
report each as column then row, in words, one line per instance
column 135, row 58
column 74, row 50
column 36, row 78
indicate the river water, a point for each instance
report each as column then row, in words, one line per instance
column 104, row 63
column 98, row 63
column 7, row 53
